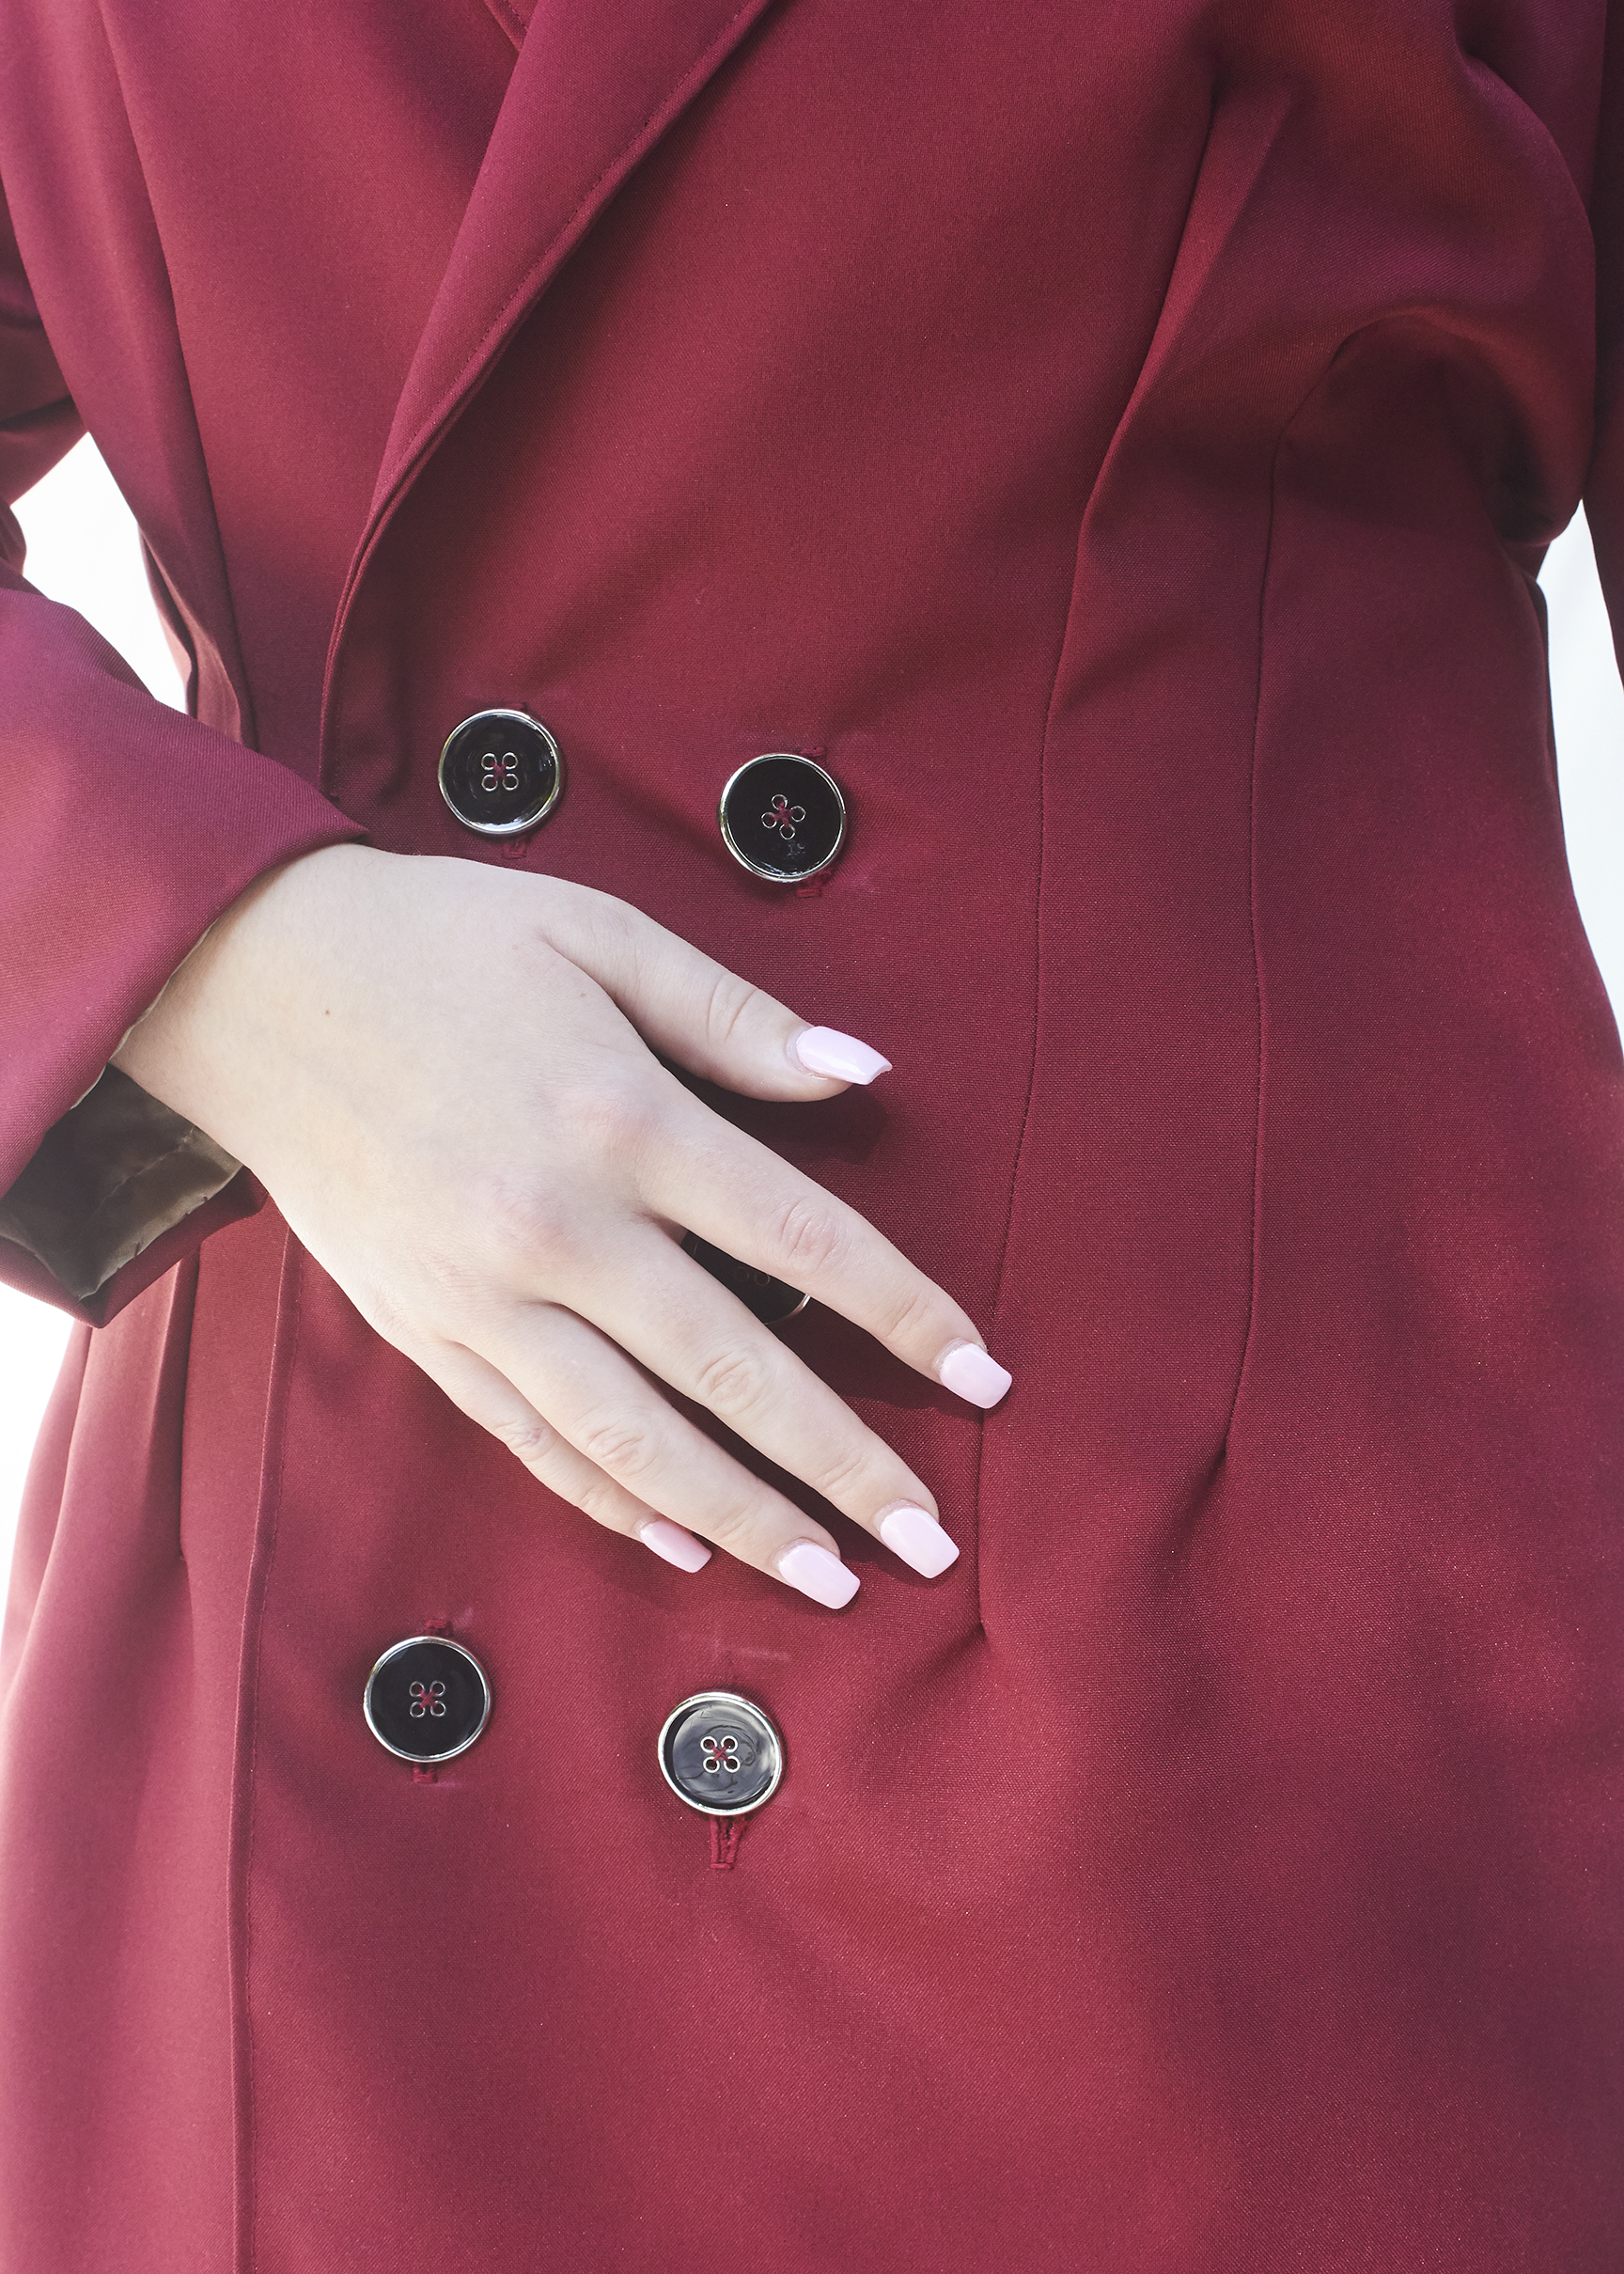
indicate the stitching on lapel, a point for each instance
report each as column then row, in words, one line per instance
column 513, row 23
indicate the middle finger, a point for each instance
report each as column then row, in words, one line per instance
column 741, row 1197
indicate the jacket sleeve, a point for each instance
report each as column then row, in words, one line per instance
column 1604, row 486
column 127, row 829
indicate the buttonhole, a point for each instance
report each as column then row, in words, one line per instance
column 726, row 1834
column 422, row 1774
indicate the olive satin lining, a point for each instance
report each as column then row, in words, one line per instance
column 113, row 1172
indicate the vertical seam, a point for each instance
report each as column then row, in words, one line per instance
column 1037, row 1004
column 1258, row 992
column 290, row 1321
column 1258, row 988
column 1256, row 953
column 1127, row 413
column 178, row 1352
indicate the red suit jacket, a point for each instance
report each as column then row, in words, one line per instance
column 1117, row 443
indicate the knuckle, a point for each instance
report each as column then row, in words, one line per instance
column 734, row 1381
column 730, row 1004
column 734, row 1526
column 608, row 922
column 454, row 1284
column 616, row 1121
column 810, row 1236
column 591, row 928
column 387, row 1314
column 533, row 1225
column 604, row 1501
column 911, row 1311
column 621, row 1445
column 839, row 1478
column 532, row 1440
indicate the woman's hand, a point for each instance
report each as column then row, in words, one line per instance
column 444, row 1075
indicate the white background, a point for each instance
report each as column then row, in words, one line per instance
column 83, row 549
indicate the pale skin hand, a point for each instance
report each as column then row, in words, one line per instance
column 498, row 1175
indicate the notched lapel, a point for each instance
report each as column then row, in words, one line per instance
column 593, row 90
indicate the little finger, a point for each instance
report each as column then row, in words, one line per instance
column 488, row 1398
column 597, row 1400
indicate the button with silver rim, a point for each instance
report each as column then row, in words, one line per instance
column 783, row 818
column 427, row 1699
column 721, row 1754
column 500, row 773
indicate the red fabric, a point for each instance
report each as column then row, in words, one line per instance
column 1120, row 441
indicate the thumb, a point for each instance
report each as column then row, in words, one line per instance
column 699, row 1014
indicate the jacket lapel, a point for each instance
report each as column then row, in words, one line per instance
column 593, row 90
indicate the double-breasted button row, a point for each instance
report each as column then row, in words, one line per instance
column 781, row 816
column 428, row 1700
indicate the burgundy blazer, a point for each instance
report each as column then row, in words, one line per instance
column 1118, row 443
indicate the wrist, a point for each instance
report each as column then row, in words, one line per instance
column 211, row 1011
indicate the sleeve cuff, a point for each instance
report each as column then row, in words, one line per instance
column 113, row 1175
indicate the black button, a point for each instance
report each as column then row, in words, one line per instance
column 772, row 1300
column 783, row 818
column 501, row 771
column 721, row 1754
column 427, row 1699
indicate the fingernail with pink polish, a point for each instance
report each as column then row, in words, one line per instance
column 918, row 1539
column 675, row 1545
column 817, row 1574
column 969, row 1372
column 839, row 1057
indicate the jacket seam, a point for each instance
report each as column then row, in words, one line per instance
column 290, row 1323
column 178, row 1351
column 1043, row 817
column 1259, row 991
column 1037, row 898
column 1257, row 1090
